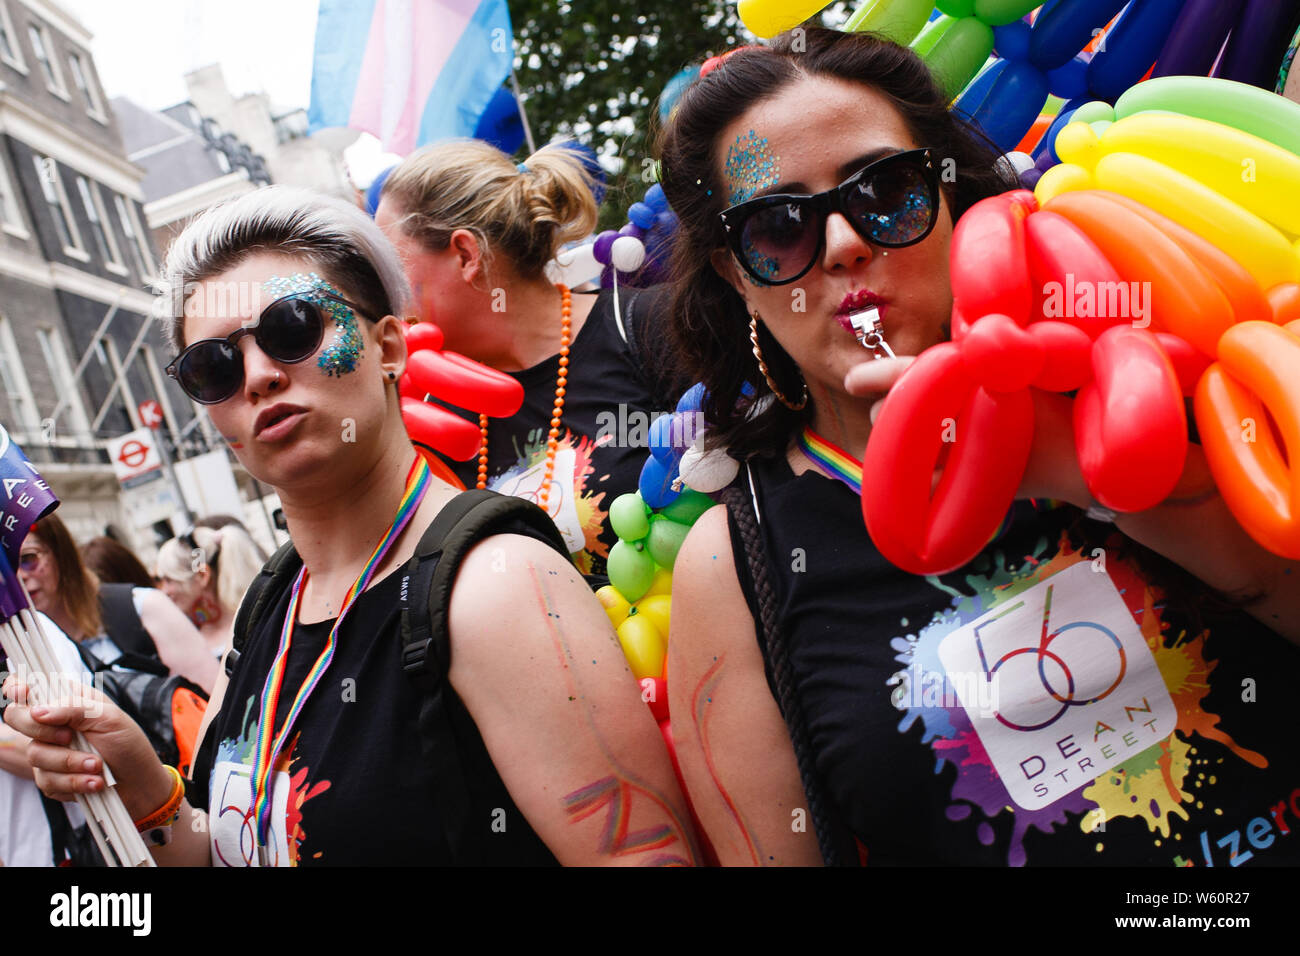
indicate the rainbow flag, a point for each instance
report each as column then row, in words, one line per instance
column 408, row 71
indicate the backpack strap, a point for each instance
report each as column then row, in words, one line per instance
column 122, row 621
column 426, row 642
column 279, row 567
column 743, row 511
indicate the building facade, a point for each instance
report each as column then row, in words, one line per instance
column 79, row 347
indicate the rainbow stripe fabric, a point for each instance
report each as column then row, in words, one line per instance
column 269, row 745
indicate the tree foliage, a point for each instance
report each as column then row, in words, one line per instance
column 593, row 70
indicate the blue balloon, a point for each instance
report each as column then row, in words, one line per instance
column 655, row 198
column 1012, row 104
column 375, row 188
column 656, row 482
column 674, row 89
column 641, row 215
column 1011, row 40
column 970, row 99
column 500, row 123
column 1066, row 28
column 1070, row 80
column 692, row 399
column 661, row 441
column 1131, row 47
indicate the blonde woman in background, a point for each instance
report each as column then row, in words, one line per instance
column 206, row 572
column 475, row 232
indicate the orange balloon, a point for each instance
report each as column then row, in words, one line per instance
column 1249, row 304
column 1284, row 299
column 1183, row 298
column 1257, row 375
column 1030, row 140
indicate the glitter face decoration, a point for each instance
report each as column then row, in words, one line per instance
column 341, row 355
column 751, row 165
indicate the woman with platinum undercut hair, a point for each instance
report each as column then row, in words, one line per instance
column 382, row 708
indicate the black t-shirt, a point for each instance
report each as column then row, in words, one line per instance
column 354, row 785
column 610, row 399
column 962, row 719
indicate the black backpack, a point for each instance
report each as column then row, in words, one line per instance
column 426, row 595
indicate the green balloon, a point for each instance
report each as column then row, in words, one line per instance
column 957, row 8
column 687, row 507
column 898, row 20
column 959, row 54
column 628, row 517
column 1093, row 111
column 666, row 537
column 999, row 12
column 630, row 570
column 1239, row 105
column 930, row 35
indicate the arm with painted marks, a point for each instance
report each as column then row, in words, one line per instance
column 732, row 744
column 538, row 666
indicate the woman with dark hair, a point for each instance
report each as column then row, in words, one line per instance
column 114, row 563
column 829, row 706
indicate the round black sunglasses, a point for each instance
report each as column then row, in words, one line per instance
column 289, row 330
column 892, row 202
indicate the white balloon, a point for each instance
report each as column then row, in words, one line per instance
column 627, row 253
column 1020, row 162
column 574, row 266
column 707, row 471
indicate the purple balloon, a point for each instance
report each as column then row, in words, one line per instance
column 1046, row 161
column 1258, row 41
column 604, row 242
column 633, row 230
column 1197, row 37
column 1030, row 177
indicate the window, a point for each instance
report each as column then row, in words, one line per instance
column 94, row 204
column 85, row 83
column 47, row 170
column 119, row 399
column 11, row 220
column 9, row 50
column 14, row 382
column 42, row 47
column 136, row 243
column 72, row 414
column 155, row 377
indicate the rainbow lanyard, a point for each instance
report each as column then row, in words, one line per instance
column 834, row 461
column 269, row 745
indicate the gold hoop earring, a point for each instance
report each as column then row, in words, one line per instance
column 762, row 367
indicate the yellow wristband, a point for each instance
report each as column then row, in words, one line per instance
column 170, row 810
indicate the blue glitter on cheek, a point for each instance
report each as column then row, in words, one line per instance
column 340, row 357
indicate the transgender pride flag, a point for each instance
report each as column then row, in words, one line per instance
column 408, row 71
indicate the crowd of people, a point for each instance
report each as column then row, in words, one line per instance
column 438, row 656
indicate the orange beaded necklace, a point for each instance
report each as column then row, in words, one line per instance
column 561, row 381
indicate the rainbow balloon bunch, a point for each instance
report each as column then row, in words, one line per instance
column 1161, row 262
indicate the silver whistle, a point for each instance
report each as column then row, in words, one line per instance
column 870, row 332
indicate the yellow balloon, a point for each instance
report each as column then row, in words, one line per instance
column 1260, row 248
column 1079, row 144
column 643, row 646
column 662, row 583
column 657, row 608
column 1061, row 178
column 767, row 18
column 1262, row 178
column 615, row 605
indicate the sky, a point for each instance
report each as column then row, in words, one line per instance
column 144, row 48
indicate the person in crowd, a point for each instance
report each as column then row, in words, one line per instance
column 108, row 619
column 219, row 521
column 205, row 572
column 828, row 706
column 476, row 232
column 114, row 563
column 321, row 749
